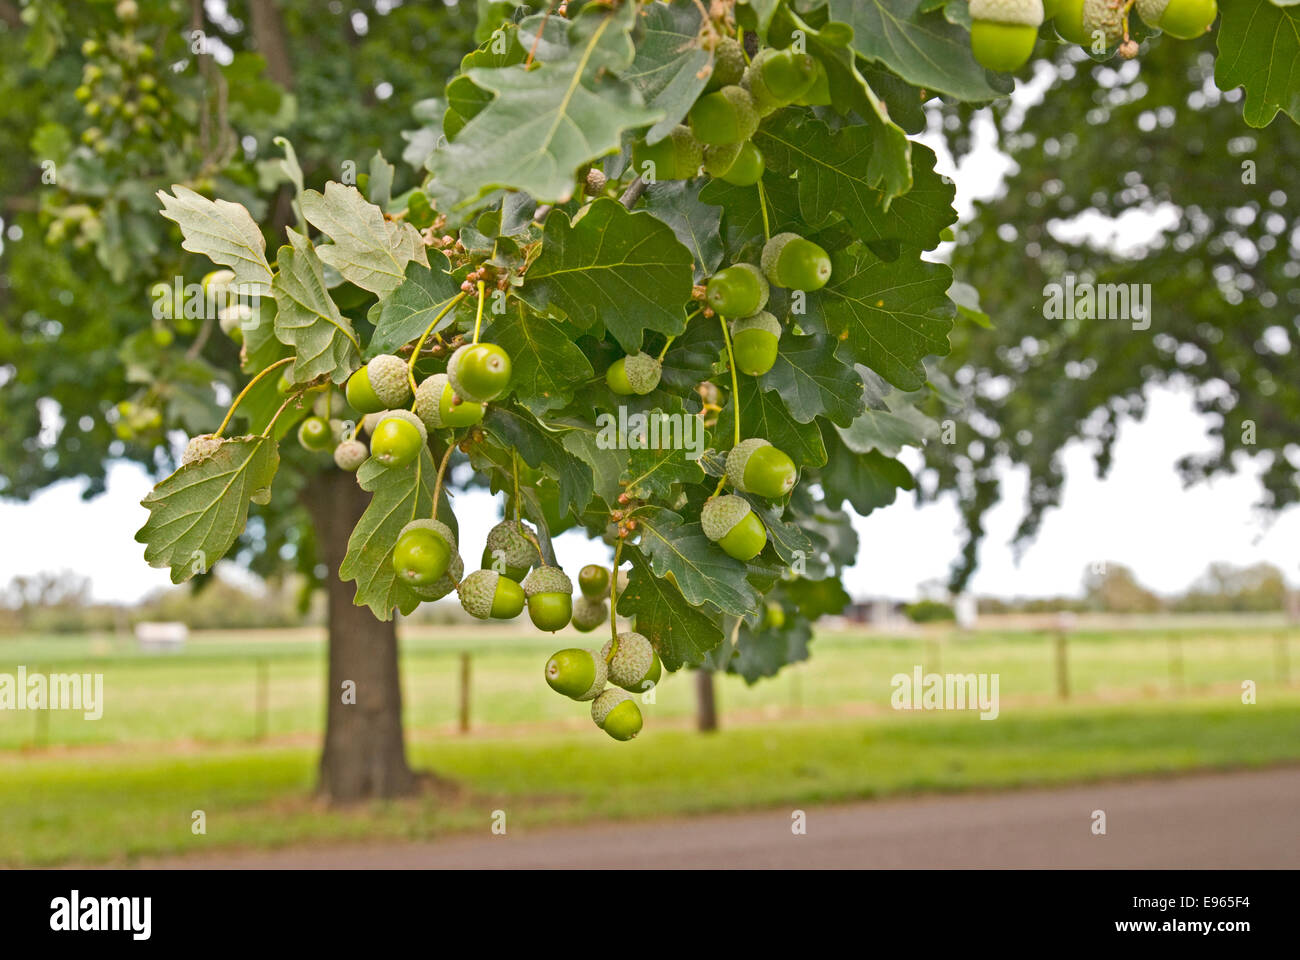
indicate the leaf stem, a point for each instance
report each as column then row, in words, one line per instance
column 762, row 205
column 613, row 602
column 243, row 393
column 514, row 469
column 271, row 426
column 478, row 320
column 735, row 384
column 442, row 468
column 415, row 354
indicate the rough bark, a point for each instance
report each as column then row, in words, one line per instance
column 706, row 704
column 268, row 33
column 364, row 754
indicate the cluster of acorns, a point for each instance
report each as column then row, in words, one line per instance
column 1003, row 32
column 119, row 92
column 628, row 661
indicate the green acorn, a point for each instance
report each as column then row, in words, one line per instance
column 550, row 597
column 637, row 373
column 737, row 291
column 479, row 372
column 755, row 466
column 350, row 455
column 388, row 380
column 314, row 434
column 1003, row 32
column 819, row 94
column 593, row 581
column 486, row 594
column 791, row 261
column 676, row 157
column 397, row 438
column 589, row 613
column 438, row 405
column 728, row 64
column 724, row 116
column 1184, row 19
column 444, row 584
column 361, row 395
column 423, row 551
column 1068, row 21
column 635, row 666
column 731, row 523
column 616, row 712
column 754, row 342
column 576, row 673
column 508, row 551
column 740, row 164
column 1106, row 16
column 778, row 77
column 773, row 615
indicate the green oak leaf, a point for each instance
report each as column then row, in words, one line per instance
column 680, row 632
column 197, row 513
column 866, row 481
column 701, row 571
column 544, row 123
column 1259, row 49
column 890, row 166
column 400, row 495
column 764, row 651
column 543, row 448
column 368, row 250
column 222, row 231
column 818, row 598
column 813, row 381
column 611, row 268
column 546, row 363
column 407, row 312
column 922, row 48
column 901, row 425
column 764, row 414
column 696, row 224
column 583, row 440
column 668, row 65
column 308, row 320
column 787, row 539
column 742, row 215
column 832, row 174
column 653, row 472
column 888, row 314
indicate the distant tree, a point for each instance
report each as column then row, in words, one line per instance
column 1112, row 588
column 1153, row 140
column 1226, row 588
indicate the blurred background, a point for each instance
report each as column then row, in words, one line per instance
column 1114, row 531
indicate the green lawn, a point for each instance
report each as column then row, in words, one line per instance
column 176, row 734
column 208, row 693
column 114, row 805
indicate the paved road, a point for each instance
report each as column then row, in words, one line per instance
column 1210, row 820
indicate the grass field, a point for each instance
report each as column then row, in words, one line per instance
column 176, row 735
column 209, row 693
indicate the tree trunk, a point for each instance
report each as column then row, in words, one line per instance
column 706, row 704
column 364, row 754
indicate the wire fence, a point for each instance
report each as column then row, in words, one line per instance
column 211, row 697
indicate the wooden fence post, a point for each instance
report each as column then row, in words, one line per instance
column 1062, row 665
column 262, row 707
column 464, row 691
